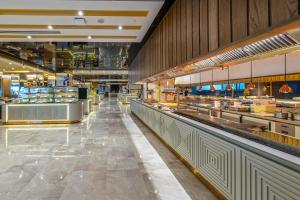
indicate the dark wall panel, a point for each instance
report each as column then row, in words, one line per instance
column 183, row 30
column 203, row 27
column 189, row 29
column 239, row 19
column 170, row 38
column 282, row 10
column 224, row 22
column 258, row 16
column 167, row 42
column 174, row 31
column 178, row 32
column 213, row 25
column 196, row 26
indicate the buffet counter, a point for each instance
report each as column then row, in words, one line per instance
column 227, row 156
column 286, row 127
column 42, row 113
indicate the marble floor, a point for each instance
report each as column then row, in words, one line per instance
column 111, row 155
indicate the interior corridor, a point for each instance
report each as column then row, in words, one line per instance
column 110, row 155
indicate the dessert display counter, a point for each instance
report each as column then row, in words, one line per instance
column 227, row 156
column 126, row 98
column 42, row 113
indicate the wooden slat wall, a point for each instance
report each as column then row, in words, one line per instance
column 213, row 30
column 183, row 30
column 196, row 28
column 258, row 16
column 239, row 19
column 189, row 29
column 203, row 27
column 178, row 32
column 193, row 28
column 224, row 22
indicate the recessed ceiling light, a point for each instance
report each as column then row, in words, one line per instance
column 120, row 27
column 10, row 63
column 50, row 27
column 100, row 21
column 80, row 13
column 89, row 37
column 29, row 37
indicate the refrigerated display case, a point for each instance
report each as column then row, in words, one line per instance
column 36, row 95
column 65, row 94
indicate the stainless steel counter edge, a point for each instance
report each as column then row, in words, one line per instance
column 285, row 159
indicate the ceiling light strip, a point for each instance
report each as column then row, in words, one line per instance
column 42, row 12
column 51, row 27
column 68, row 37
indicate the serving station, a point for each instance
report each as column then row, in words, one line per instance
column 233, row 158
column 43, row 105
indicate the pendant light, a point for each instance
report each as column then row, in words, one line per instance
column 200, row 87
column 212, row 88
column 285, row 88
column 190, row 82
column 228, row 87
column 251, row 85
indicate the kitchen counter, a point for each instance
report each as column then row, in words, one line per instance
column 52, row 113
column 250, row 131
column 226, row 154
column 295, row 123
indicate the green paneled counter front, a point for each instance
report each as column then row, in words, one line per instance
column 238, row 168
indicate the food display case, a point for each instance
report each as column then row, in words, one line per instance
column 36, row 95
column 48, row 95
column 65, row 94
column 44, row 105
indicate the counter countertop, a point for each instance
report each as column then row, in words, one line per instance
column 249, row 114
column 295, row 123
column 238, row 133
column 42, row 103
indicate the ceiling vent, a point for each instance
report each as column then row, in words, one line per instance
column 100, row 21
column 80, row 20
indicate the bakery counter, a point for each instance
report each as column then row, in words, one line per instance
column 228, row 157
column 53, row 113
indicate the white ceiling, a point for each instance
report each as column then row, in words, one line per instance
column 95, row 5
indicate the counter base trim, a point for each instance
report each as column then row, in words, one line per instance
column 194, row 170
column 40, row 122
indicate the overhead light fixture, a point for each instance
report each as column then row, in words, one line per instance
column 285, row 88
column 80, row 13
column 89, row 37
column 29, row 37
column 120, row 28
column 50, row 27
column 200, row 87
column 212, row 87
column 228, row 87
column 251, row 85
column 10, row 63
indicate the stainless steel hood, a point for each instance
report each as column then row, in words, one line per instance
column 276, row 44
column 263, row 46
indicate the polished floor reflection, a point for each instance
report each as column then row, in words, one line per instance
column 110, row 155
